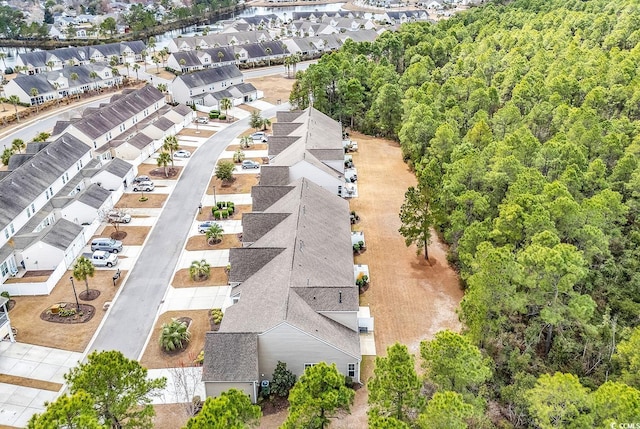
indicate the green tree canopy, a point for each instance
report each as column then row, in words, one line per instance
column 231, row 410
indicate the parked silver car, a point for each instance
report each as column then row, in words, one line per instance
column 144, row 186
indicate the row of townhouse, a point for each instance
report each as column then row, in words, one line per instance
column 215, row 40
column 52, row 196
column 56, row 59
column 263, row 52
column 131, row 126
column 293, row 293
column 55, row 85
column 206, row 88
column 188, row 61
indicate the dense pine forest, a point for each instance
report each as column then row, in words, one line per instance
column 522, row 124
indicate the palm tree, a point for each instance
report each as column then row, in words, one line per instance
column 34, row 95
column 164, row 53
column 56, row 85
column 268, row 51
column 127, row 65
column 156, row 61
column 225, row 104
column 71, row 62
column 199, row 270
column 163, row 160
column 83, row 269
column 220, row 56
column 74, row 77
column 266, row 123
column 245, row 142
column 214, row 234
column 14, row 99
column 42, row 137
column 2, row 57
column 136, row 67
column 152, row 44
column 17, row 145
column 115, row 72
column 50, row 65
column 182, row 63
column 113, row 61
column 143, row 54
column 94, row 75
column 170, row 144
column 174, row 335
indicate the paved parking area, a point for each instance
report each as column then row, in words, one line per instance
column 215, row 258
column 196, row 298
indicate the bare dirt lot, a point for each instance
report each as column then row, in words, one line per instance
column 242, row 184
column 276, row 88
column 155, row 201
column 157, row 172
column 193, row 132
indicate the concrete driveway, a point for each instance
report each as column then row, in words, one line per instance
column 131, row 317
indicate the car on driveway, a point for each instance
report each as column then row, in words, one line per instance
column 247, row 163
column 182, row 154
column 260, row 135
column 201, row 120
column 204, row 226
column 139, row 179
column 143, row 186
column 116, row 216
column 106, row 244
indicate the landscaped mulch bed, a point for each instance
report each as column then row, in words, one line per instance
column 199, row 242
column 89, row 295
column 259, row 160
column 217, row 277
column 191, row 132
column 241, row 184
column 135, row 235
column 254, row 146
column 155, row 356
column 84, row 315
column 152, row 170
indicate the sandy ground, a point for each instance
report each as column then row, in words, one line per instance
column 25, row 316
column 237, row 212
column 135, row 234
column 217, row 277
column 276, row 88
column 132, row 200
column 241, row 185
column 199, row 242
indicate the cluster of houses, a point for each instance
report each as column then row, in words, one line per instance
column 293, row 295
column 52, row 195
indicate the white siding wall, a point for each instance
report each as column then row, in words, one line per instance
column 317, row 176
column 296, row 348
column 215, row 389
column 79, row 213
column 42, row 256
column 346, row 318
column 108, row 181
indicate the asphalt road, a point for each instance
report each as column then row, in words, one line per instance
column 132, row 315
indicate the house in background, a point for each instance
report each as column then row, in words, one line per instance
column 200, row 88
column 294, row 296
column 54, row 85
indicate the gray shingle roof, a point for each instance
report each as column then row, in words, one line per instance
column 118, row 167
column 94, row 196
column 313, row 272
column 230, row 357
column 274, row 175
column 125, row 107
column 255, row 225
column 279, row 143
column 20, row 188
column 61, row 234
column 246, row 261
column 163, row 123
column 209, row 76
column 264, row 196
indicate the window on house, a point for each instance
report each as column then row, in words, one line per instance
column 6, row 233
column 28, row 212
column 351, row 370
column 33, row 207
column 11, row 228
column 46, row 193
column 5, row 269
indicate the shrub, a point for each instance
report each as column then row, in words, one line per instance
column 356, row 247
column 174, row 335
column 282, row 380
column 224, row 213
column 362, row 280
column 5, row 294
column 238, row 156
column 200, row 359
column 224, row 171
column 222, row 117
column 216, row 315
column 217, row 214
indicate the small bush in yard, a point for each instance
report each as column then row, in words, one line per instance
column 222, row 117
column 216, row 315
column 217, row 214
column 238, row 156
column 5, row 294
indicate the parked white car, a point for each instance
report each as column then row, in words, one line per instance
column 182, row 154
